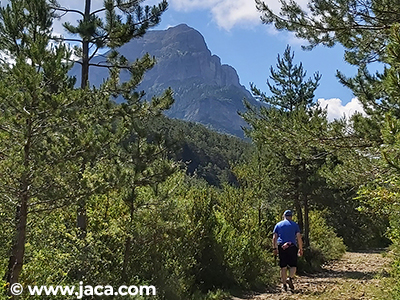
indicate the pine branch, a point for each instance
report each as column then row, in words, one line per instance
column 57, row 39
column 67, row 10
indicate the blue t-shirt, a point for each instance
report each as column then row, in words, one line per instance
column 286, row 231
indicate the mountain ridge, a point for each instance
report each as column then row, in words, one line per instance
column 205, row 90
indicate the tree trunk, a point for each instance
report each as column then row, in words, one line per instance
column 299, row 214
column 85, row 65
column 81, row 220
column 306, row 224
column 127, row 254
column 81, row 212
column 16, row 260
column 297, row 201
column 128, row 240
column 85, row 50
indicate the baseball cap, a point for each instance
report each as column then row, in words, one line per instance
column 288, row 213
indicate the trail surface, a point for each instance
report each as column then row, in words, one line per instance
column 357, row 276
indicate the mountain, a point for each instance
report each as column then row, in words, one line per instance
column 205, row 90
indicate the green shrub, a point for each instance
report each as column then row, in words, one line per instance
column 195, row 244
column 311, row 261
column 212, row 295
column 3, row 287
column 394, row 235
column 325, row 245
column 246, row 259
column 242, row 236
column 324, row 238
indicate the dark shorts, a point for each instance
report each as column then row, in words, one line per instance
column 287, row 257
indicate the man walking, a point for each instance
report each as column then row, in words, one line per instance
column 288, row 244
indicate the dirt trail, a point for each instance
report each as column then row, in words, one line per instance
column 357, row 276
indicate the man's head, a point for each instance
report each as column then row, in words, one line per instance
column 288, row 214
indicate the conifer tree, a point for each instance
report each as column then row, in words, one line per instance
column 35, row 97
column 289, row 89
column 96, row 33
column 54, row 137
column 287, row 132
column 361, row 27
column 368, row 31
column 380, row 195
column 140, row 159
column 123, row 20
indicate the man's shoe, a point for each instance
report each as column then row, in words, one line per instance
column 289, row 281
column 284, row 287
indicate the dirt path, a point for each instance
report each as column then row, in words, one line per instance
column 357, row 276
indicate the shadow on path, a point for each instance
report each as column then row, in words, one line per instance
column 357, row 275
column 347, row 278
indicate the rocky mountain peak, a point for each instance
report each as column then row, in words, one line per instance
column 205, row 91
column 182, row 51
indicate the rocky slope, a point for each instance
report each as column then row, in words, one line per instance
column 205, row 90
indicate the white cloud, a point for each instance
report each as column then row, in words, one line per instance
column 226, row 13
column 230, row 13
column 337, row 110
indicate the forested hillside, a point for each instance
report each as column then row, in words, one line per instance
column 202, row 152
column 97, row 192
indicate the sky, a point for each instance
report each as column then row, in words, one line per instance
column 232, row 30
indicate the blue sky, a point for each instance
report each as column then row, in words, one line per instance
column 233, row 31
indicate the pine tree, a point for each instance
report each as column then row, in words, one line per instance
column 55, row 138
column 96, row 33
column 361, row 27
column 368, row 30
column 116, row 30
column 289, row 89
column 35, row 93
column 287, row 131
column 141, row 158
column 380, row 196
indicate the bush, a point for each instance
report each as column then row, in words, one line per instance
column 217, row 295
column 311, row 261
column 229, row 251
column 325, row 245
column 188, row 239
column 242, row 237
column 394, row 234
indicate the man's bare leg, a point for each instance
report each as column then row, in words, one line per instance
column 292, row 272
column 284, row 275
column 284, row 278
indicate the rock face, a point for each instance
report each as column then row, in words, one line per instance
column 204, row 90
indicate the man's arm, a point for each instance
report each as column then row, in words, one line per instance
column 275, row 243
column 299, row 243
